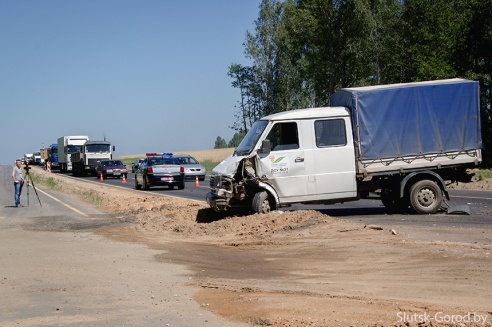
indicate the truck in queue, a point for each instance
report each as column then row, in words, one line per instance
column 401, row 141
column 49, row 156
column 85, row 160
column 66, row 146
column 29, row 158
column 45, row 154
column 53, row 156
column 38, row 159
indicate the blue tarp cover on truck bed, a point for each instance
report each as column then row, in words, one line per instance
column 424, row 118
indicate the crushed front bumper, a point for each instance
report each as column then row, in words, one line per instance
column 217, row 204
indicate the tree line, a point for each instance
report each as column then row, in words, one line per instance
column 302, row 51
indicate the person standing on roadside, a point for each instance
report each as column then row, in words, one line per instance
column 18, row 182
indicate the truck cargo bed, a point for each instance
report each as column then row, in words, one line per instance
column 414, row 125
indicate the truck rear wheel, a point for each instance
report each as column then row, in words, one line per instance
column 425, row 197
column 261, row 203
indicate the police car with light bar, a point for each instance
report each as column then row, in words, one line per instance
column 160, row 169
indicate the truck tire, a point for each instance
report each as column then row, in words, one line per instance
column 261, row 203
column 137, row 186
column 425, row 197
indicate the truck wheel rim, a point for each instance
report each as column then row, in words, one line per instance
column 426, row 197
column 265, row 206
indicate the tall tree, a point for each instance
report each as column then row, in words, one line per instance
column 474, row 60
column 302, row 51
column 311, row 40
column 249, row 106
column 430, row 28
column 263, row 48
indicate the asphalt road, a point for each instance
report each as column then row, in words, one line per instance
column 55, row 271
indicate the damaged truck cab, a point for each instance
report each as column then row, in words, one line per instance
column 275, row 164
column 402, row 141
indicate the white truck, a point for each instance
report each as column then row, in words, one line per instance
column 84, row 161
column 402, row 141
column 66, row 146
column 29, row 158
column 38, row 160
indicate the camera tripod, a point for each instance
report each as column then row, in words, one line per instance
column 29, row 179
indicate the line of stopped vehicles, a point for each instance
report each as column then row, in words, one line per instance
column 156, row 169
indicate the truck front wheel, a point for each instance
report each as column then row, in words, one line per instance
column 425, row 197
column 261, row 203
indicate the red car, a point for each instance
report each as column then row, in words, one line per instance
column 111, row 168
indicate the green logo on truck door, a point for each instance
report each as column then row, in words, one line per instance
column 277, row 166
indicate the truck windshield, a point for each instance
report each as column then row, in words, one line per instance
column 97, row 147
column 74, row 148
column 251, row 138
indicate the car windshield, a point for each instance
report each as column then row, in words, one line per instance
column 112, row 163
column 187, row 161
column 161, row 161
column 251, row 138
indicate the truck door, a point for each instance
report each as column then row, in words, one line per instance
column 334, row 159
column 285, row 166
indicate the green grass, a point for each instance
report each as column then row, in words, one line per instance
column 209, row 165
column 49, row 182
column 482, row 174
column 128, row 162
column 52, row 183
column 92, row 196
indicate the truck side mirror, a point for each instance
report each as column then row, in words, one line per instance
column 266, row 147
column 114, row 148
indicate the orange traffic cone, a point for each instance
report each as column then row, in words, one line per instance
column 196, row 181
column 124, row 179
column 101, row 177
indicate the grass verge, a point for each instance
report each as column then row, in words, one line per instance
column 91, row 196
column 482, row 174
column 49, row 182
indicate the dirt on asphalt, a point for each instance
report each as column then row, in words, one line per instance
column 305, row 268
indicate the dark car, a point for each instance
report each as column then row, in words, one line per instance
column 111, row 168
column 136, row 164
column 159, row 170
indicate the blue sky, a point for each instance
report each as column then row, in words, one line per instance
column 147, row 75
